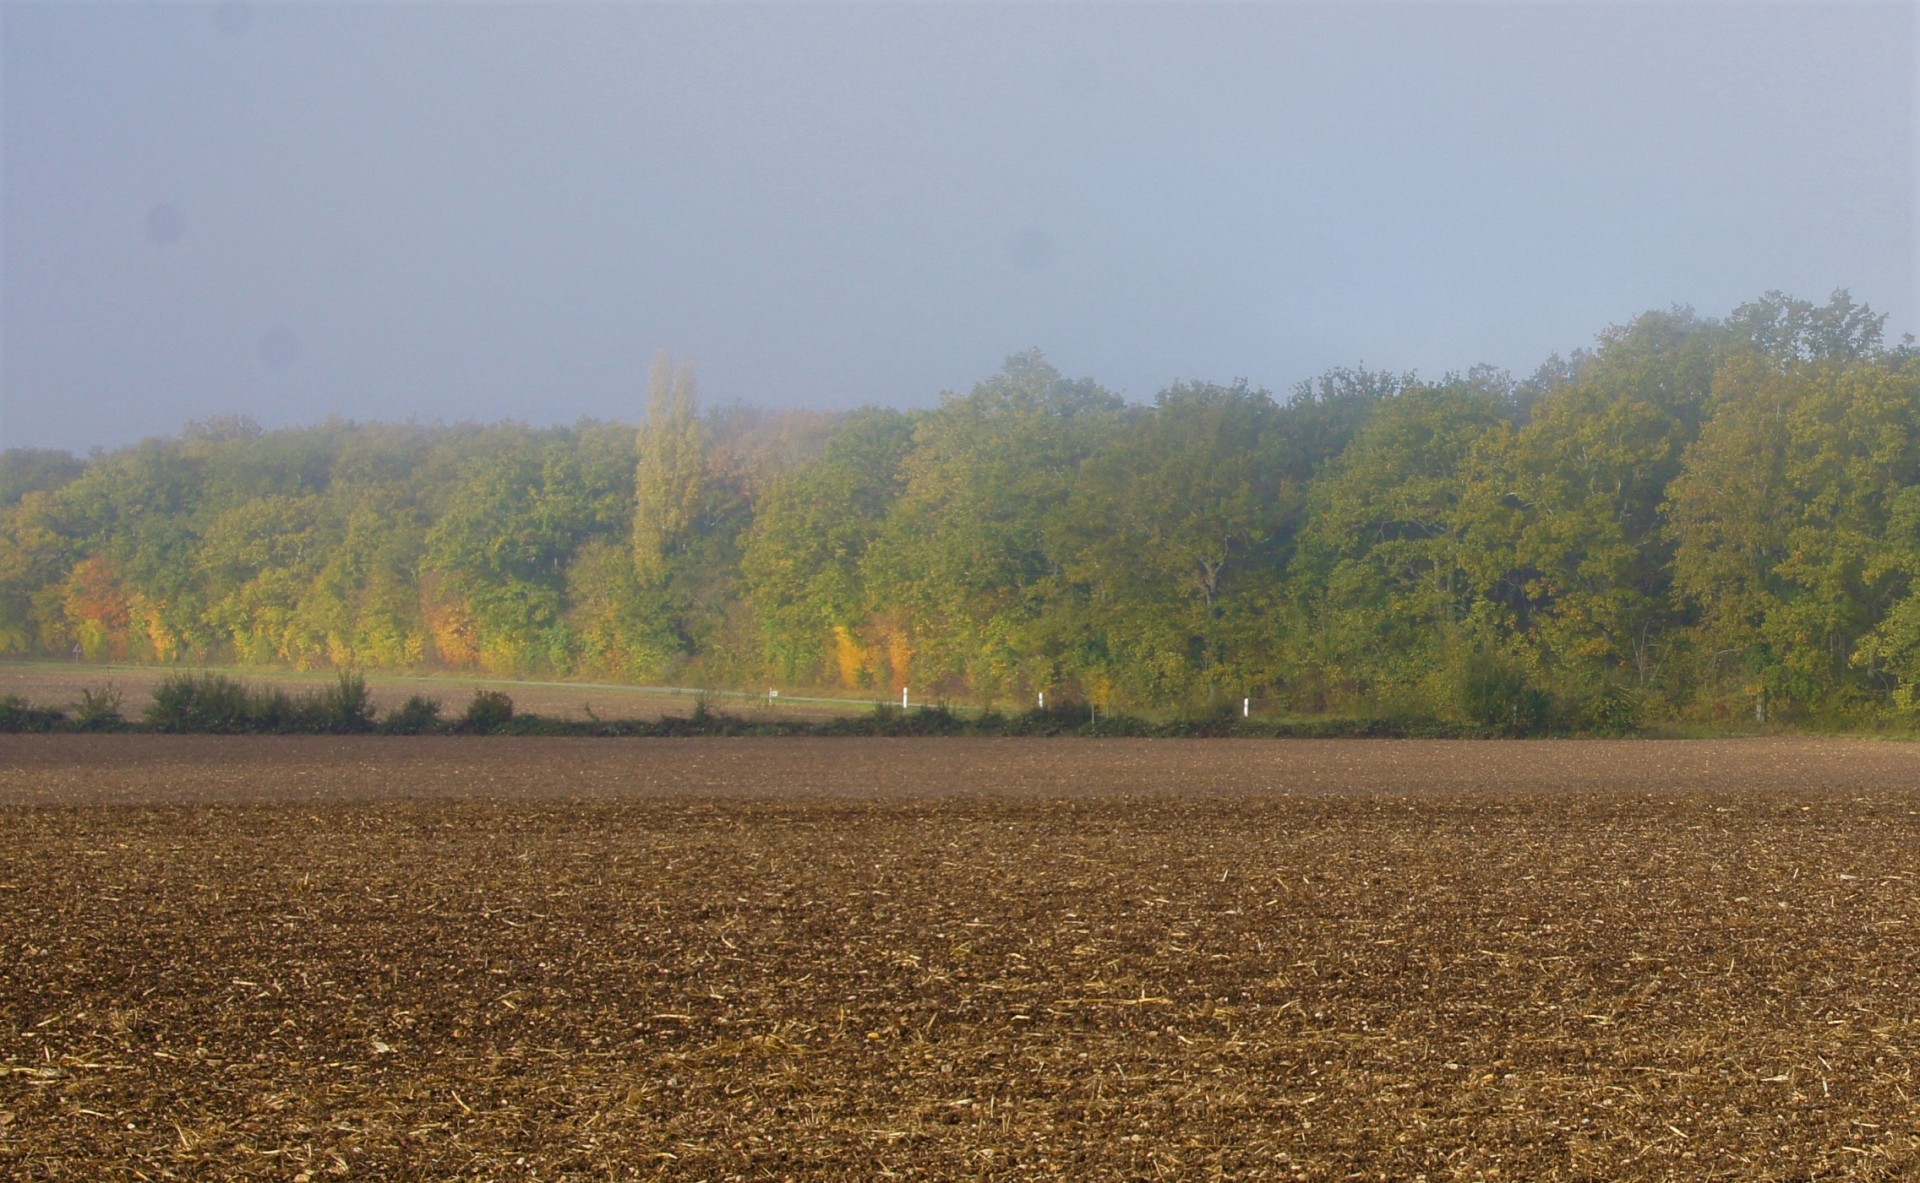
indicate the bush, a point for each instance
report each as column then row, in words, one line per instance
column 276, row 710
column 17, row 714
column 490, row 711
column 1061, row 717
column 416, row 715
column 221, row 705
column 1615, row 710
column 938, row 719
column 704, row 721
column 207, row 702
column 99, row 710
column 1494, row 694
column 347, row 706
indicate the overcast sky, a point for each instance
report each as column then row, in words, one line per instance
column 486, row 210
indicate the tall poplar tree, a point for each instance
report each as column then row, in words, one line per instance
column 670, row 470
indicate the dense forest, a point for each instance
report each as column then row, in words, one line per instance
column 1696, row 519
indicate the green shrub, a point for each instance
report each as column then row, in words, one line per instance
column 490, row 711
column 346, row 706
column 17, row 714
column 99, row 710
column 1060, row 717
column 206, row 702
column 1615, row 710
column 412, row 717
column 1494, row 694
column 221, row 705
column 274, row 709
column 704, row 721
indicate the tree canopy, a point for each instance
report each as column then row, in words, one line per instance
column 1696, row 518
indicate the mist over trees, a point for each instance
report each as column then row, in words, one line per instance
column 1697, row 518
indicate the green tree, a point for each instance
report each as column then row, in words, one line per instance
column 1565, row 518
column 803, row 556
column 255, row 561
column 1789, row 330
column 1783, row 514
column 1172, row 541
column 622, row 626
column 961, row 563
column 1382, row 561
column 39, row 545
column 502, row 538
column 33, row 470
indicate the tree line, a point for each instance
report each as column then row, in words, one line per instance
column 1696, row 519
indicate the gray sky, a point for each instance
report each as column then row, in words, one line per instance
column 466, row 210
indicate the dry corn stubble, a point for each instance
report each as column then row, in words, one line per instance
column 983, row 959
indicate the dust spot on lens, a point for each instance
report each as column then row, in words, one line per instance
column 1031, row 249
column 166, row 225
column 279, row 347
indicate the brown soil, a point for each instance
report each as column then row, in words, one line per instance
column 840, row 959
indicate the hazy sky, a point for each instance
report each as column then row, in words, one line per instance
column 487, row 210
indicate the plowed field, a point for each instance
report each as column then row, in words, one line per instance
column 303, row 959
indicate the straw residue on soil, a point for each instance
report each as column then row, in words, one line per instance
column 1660, row 979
